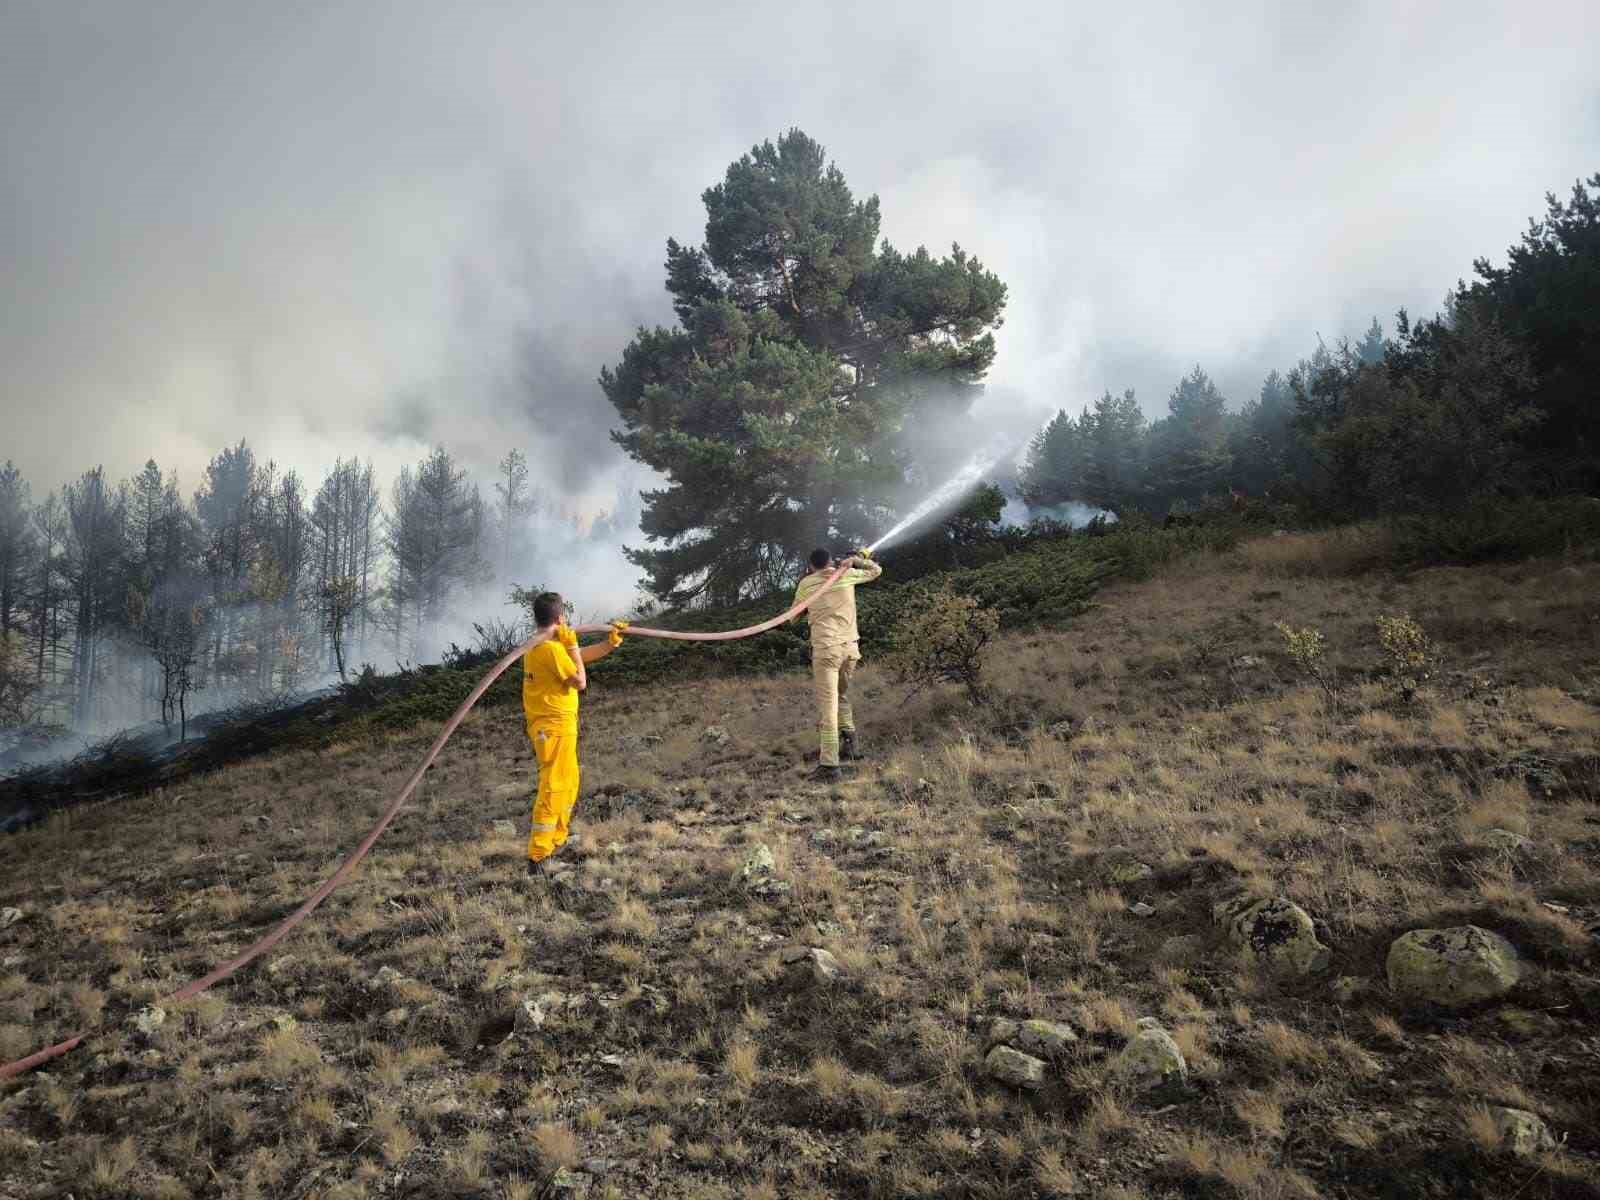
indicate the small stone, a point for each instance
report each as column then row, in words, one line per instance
column 1045, row 1038
column 1505, row 841
column 1452, row 967
column 283, row 1022
column 597, row 1167
column 1521, row 1132
column 278, row 965
column 1347, row 987
column 1247, row 662
column 569, row 1183
column 1130, row 872
column 1151, row 1058
column 505, row 829
column 812, row 965
column 1141, row 909
column 259, row 821
column 1524, row 1023
column 716, row 735
column 9, row 917
column 828, row 929
column 1015, row 1068
column 13, row 960
column 925, row 789
column 823, row 838
column 396, row 1017
column 149, row 1019
column 1003, row 1031
column 759, row 862
column 1275, row 933
column 385, row 977
column 535, row 1011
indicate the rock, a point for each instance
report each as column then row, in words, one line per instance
column 568, row 1183
column 385, row 977
column 823, row 838
column 1061, row 730
column 1016, row 1068
column 396, row 1017
column 1248, row 662
column 597, row 1167
column 13, row 960
column 1141, row 909
column 1131, row 872
column 716, row 735
column 259, row 821
column 148, row 1019
column 1347, row 987
column 282, row 1022
column 536, row 1011
column 9, row 917
column 758, row 873
column 1452, row 967
column 505, row 829
column 279, row 965
column 759, row 863
column 1003, row 1031
column 1048, row 1039
column 1151, row 1058
column 812, row 965
column 1505, row 841
column 1276, row 933
column 1524, row 1023
column 1521, row 1132
column 925, row 789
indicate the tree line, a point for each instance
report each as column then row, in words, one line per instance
column 120, row 601
column 1493, row 398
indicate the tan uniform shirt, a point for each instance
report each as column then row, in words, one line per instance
column 833, row 616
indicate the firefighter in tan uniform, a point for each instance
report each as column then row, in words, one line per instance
column 835, row 651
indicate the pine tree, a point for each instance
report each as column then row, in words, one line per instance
column 802, row 347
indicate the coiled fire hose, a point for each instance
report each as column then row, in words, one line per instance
column 195, row 986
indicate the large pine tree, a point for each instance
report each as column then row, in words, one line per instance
column 803, row 347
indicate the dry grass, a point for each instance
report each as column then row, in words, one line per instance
column 675, row 1045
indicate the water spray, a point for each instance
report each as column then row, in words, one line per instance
column 951, row 490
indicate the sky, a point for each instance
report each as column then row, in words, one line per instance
column 371, row 226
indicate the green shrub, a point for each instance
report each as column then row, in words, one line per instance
column 940, row 639
column 1499, row 531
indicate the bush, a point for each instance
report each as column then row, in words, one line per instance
column 940, row 639
column 1499, row 531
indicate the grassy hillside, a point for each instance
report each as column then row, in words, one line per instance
column 440, row 1029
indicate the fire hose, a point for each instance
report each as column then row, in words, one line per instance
column 195, row 986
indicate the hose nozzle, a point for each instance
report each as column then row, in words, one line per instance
column 864, row 553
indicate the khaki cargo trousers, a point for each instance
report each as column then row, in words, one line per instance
column 831, row 669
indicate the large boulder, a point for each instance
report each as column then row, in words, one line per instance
column 1276, row 933
column 1452, row 967
column 1151, row 1058
column 1016, row 1068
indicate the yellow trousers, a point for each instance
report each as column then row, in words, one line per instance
column 831, row 668
column 557, row 752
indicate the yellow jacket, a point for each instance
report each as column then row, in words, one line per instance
column 833, row 616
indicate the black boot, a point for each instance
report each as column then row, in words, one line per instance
column 826, row 774
column 847, row 747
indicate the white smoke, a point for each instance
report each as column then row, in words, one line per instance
column 1019, row 512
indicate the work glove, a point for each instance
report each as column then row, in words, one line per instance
column 616, row 632
column 567, row 636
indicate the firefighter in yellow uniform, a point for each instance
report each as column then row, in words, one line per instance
column 553, row 673
column 835, row 651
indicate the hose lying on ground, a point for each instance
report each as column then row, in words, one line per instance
column 196, row 986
